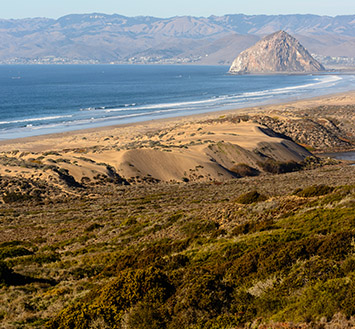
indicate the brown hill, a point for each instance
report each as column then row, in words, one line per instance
column 278, row 52
column 100, row 38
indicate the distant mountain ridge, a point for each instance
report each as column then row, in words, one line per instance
column 276, row 53
column 185, row 39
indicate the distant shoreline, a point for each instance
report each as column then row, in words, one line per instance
column 342, row 70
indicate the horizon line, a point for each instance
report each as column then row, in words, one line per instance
column 169, row 17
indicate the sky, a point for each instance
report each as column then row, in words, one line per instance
column 166, row 8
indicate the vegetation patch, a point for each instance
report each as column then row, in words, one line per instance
column 314, row 190
column 251, row 197
column 172, row 256
column 279, row 167
column 13, row 251
column 10, row 197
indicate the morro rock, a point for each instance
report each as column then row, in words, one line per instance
column 276, row 53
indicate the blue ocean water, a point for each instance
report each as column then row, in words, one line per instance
column 40, row 99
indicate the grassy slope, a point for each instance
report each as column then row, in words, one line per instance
column 182, row 256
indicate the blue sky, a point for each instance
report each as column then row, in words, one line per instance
column 166, row 8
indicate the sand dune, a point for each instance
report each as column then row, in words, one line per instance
column 207, row 147
column 186, row 152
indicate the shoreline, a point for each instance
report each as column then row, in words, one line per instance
column 141, row 127
column 169, row 105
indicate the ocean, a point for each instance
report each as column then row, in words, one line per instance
column 42, row 99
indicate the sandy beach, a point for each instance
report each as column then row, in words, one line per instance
column 199, row 147
column 86, row 137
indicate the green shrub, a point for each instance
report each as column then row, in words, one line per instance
column 320, row 221
column 309, row 272
column 11, row 252
column 10, row 197
column 39, row 258
column 324, row 299
column 116, row 298
column 254, row 226
column 145, row 316
column 202, row 296
column 197, row 227
column 243, row 305
column 251, row 197
column 278, row 167
column 314, row 190
column 244, row 266
column 348, row 265
column 336, row 246
column 292, row 261
column 177, row 261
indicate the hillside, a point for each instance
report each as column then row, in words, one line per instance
column 201, row 255
column 100, row 38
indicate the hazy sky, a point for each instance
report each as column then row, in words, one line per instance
column 166, row 8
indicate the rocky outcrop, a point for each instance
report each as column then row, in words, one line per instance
column 278, row 52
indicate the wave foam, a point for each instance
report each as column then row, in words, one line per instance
column 226, row 98
column 56, row 117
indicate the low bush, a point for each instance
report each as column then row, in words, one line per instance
column 110, row 303
column 251, row 197
column 10, row 197
column 279, row 167
column 39, row 258
column 194, row 227
column 323, row 299
column 253, row 226
column 310, row 271
column 145, row 316
column 11, row 252
column 314, row 190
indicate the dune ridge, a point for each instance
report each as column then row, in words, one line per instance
column 187, row 152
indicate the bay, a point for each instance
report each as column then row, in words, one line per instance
column 41, row 99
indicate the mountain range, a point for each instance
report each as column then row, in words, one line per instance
column 101, row 38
